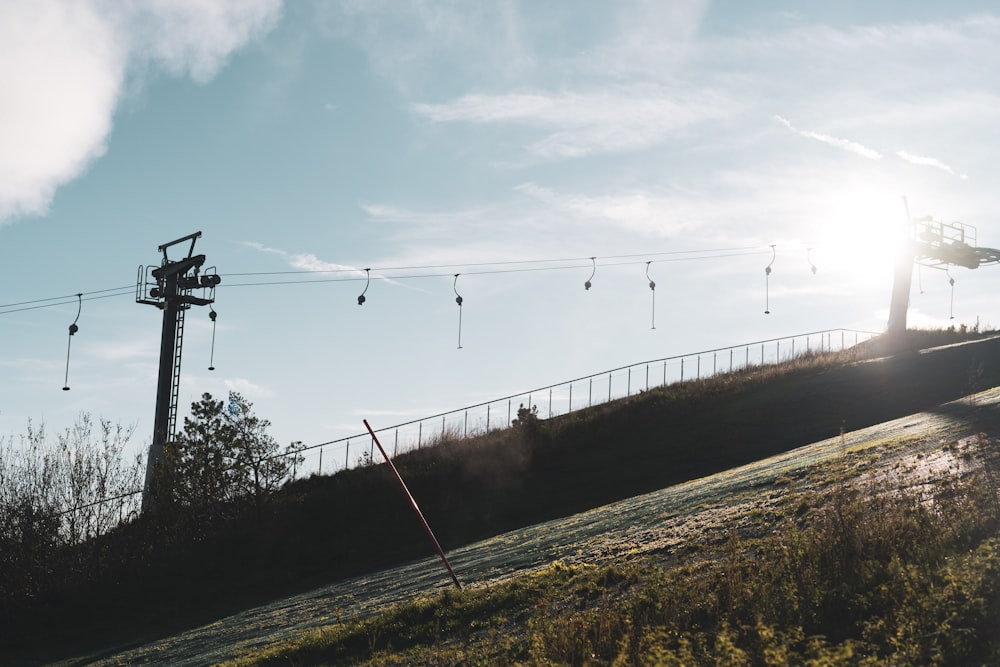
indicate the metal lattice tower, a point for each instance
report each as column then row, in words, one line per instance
column 170, row 288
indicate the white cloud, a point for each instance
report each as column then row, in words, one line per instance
column 63, row 66
column 302, row 261
column 639, row 211
column 247, row 388
column 929, row 162
column 61, row 72
column 310, row 262
column 194, row 37
column 618, row 119
column 393, row 213
column 845, row 144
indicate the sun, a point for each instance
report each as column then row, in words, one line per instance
column 860, row 232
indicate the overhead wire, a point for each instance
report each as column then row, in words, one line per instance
column 517, row 266
column 414, row 276
column 495, row 263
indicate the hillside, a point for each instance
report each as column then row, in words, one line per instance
column 880, row 547
column 326, row 528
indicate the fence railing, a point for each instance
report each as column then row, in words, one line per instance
column 565, row 397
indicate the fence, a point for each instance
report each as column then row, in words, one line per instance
column 565, row 397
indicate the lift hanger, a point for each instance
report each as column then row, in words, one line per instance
column 812, row 267
column 73, row 328
column 652, row 287
column 593, row 272
column 767, row 281
column 458, row 300
column 361, row 297
column 211, row 360
column 951, row 307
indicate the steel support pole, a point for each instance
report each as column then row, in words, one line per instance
column 164, row 384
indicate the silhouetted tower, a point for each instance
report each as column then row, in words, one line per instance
column 169, row 287
column 927, row 242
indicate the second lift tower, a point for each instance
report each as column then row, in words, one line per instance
column 171, row 287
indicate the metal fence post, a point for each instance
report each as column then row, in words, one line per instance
column 420, row 434
column 682, row 369
column 347, row 454
column 571, row 397
column 487, row 417
column 699, row 367
column 550, row 402
column 395, row 447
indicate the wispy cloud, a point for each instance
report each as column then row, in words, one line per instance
column 302, row 261
column 247, row 388
column 394, row 213
column 68, row 64
column 308, row 261
column 583, row 123
column 929, row 162
column 845, row 144
column 638, row 210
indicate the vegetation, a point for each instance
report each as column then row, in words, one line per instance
column 866, row 573
column 51, row 517
column 237, row 532
column 223, row 456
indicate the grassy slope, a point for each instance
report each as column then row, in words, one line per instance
column 324, row 528
column 845, row 567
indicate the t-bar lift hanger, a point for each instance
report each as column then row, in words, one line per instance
column 652, row 287
column 458, row 300
column 73, row 328
column 368, row 278
column 767, row 281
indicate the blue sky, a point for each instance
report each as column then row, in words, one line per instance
column 398, row 136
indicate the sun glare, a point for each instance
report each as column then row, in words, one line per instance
column 860, row 234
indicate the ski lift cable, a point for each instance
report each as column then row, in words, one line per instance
column 128, row 290
column 496, row 263
column 415, row 276
column 63, row 301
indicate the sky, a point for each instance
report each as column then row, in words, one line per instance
column 691, row 143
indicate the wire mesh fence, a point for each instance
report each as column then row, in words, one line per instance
column 570, row 396
column 550, row 401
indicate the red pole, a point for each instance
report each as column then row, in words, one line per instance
column 416, row 509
